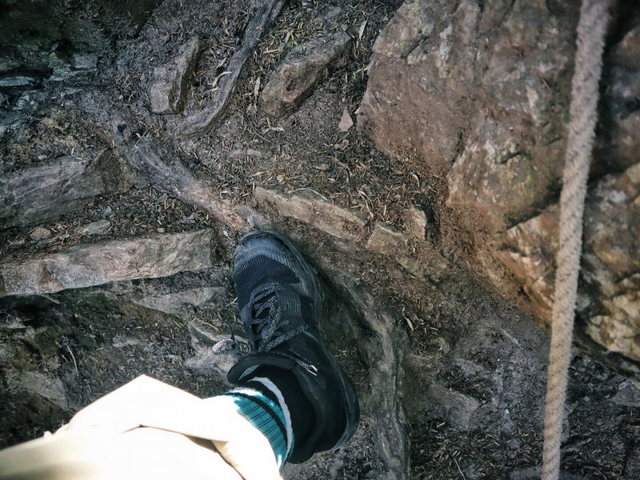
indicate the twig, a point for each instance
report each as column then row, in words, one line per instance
column 75, row 364
column 459, row 469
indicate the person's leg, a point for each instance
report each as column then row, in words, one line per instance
column 291, row 400
column 147, row 429
column 281, row 306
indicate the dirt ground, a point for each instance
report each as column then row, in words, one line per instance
column 486, row 357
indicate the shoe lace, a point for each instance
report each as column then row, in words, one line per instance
column 267, row 318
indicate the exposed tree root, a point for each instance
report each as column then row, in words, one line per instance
column 264, row 18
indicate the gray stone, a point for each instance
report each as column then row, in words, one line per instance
column 18, row 81
column 85, row 61
column 7, row 121
column 39, row 233
column 99, row 227
column 47, row 387
column 62, row 186
column 169, row 83
column 628, row 394
column 387, row 241
column 454, row 407
column 204, row 334
column 337, row 222
column 346, row 121
column 176, row 303
column 123, row 341
column 96, row 264
column 302, row 69
column 80, row 69
column 215, row 353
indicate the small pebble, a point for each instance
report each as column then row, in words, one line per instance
column 94, row 228
column 39, row 233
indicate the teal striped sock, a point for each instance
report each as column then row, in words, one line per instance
column 268, row 417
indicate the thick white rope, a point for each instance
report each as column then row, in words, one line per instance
column 584, row 100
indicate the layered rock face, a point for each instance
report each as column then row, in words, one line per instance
column 477, row 94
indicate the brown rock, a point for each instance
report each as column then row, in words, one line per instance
column 331, row 219
column 482, row 95
column 168, row 87
column 610, row 261
column 96, row 264
column 620, row 330
column 485, row 177
column 529, row 250
column 437, row 74
column 303, row 68
column 612, row 232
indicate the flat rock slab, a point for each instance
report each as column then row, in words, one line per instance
column 300, row 72
column 386, row 241
column 169, row 83
column 331, row 219
column 43, row 193
column 178, row 302
column 96, row 264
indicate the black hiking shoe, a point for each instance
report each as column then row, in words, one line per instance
column 281, row 303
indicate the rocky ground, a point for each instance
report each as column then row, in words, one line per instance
column 138, row 144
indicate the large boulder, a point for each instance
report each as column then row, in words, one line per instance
column 477, row 94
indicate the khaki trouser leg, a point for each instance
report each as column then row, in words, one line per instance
column 147, row 429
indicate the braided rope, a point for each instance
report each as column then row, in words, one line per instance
column 584, row 100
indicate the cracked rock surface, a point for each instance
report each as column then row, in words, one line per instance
column 480, row 92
